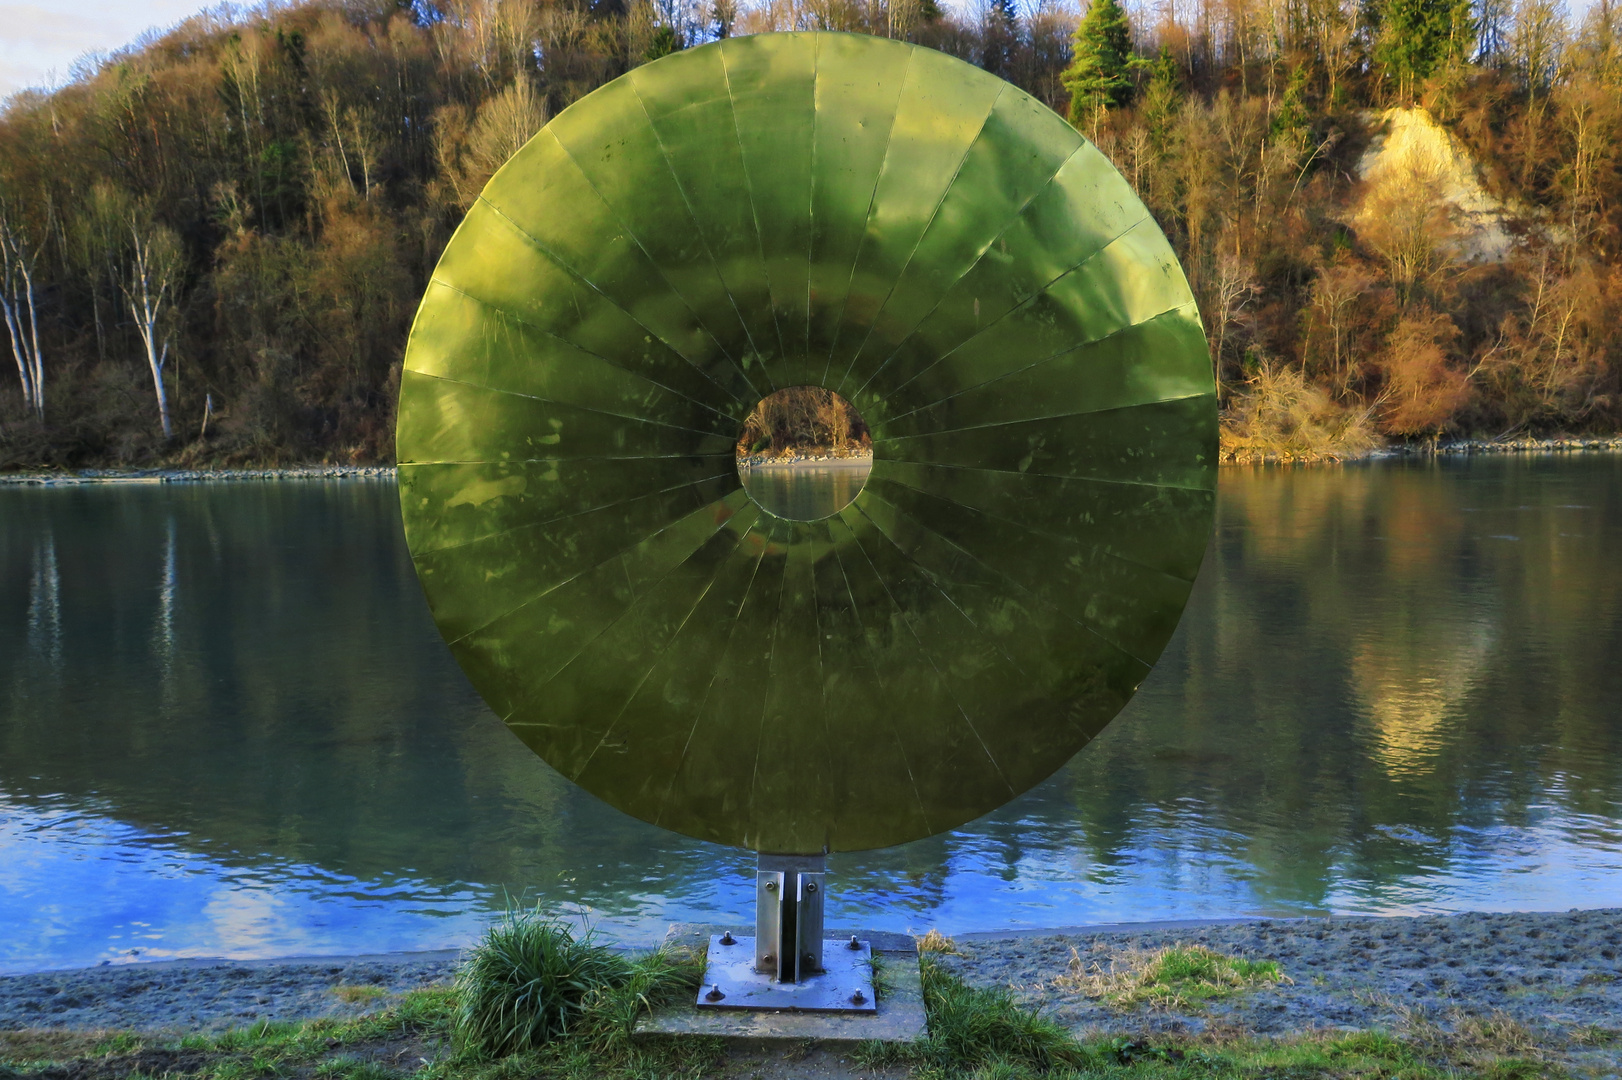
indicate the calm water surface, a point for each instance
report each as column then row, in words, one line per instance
column 228, row 728
column 807, row 491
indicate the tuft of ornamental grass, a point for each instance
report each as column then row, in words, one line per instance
column 529, row 981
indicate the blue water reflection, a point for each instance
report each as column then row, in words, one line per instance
column 227, row 727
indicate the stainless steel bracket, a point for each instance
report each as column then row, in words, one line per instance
column 844, row 982
column 788, row 916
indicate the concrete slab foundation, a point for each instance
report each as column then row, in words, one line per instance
column 898, row 1019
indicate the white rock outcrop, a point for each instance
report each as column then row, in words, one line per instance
column 1411, row 146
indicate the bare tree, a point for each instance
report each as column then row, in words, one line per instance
column 724, row 14
column 470, row 155
column 150, row 285
column 1334, row 299
column 18, row 256
column 1407, row 221
column 1537, row 38
column 903, row 16
column 1235, row 285
column 1591, row 116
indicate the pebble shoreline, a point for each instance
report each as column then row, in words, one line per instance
column 1557, row 974
column 1457, row 448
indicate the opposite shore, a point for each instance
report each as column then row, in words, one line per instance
column 1456, row 448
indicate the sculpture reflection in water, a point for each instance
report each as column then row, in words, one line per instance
column 837, row 212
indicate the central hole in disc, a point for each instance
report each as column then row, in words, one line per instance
column 804, row 453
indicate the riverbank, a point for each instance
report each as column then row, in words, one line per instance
column 214, row 995
column 1461, row 447
column 1573, row 444
column 1549, row 981
column 764, row 461
column 1543, row 985
column 188, row 476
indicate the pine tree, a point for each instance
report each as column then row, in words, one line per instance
column 1162, row 99
column 1419, row 36
column 1099, row 76
column 1291, row 117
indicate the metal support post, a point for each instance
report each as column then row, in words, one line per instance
column 785, row 967
column 788, row 915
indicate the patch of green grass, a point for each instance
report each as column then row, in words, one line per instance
column 120, row 1042
column 358, row 995
column 972, row 1028
column 261, row 1034
column 1180, row 977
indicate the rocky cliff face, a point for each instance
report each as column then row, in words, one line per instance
column 1411, row 156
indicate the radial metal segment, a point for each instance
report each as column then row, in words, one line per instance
column 782, row 210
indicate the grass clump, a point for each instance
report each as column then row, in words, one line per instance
column 937, row 942
column 358, row 995
column 1182, row 977
column 978, row 1031
column 530, row 981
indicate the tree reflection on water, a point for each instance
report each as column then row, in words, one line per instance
column 1395, row 687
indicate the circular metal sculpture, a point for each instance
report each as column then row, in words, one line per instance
column 807, row 209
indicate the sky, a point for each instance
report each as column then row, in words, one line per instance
column 39, row 40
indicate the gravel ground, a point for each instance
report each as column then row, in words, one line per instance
column 1553, row 978
column 202, row 995
column 1557, row 975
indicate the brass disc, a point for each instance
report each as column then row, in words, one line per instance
column 807, row 209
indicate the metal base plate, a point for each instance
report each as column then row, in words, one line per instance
column 844, row 985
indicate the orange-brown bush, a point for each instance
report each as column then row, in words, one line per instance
column 1423, row 389
column 804, row 418
column 1283, row 416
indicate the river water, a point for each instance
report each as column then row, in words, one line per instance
column 228, row 728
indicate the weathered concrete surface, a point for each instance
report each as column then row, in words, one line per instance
column 899, row 1019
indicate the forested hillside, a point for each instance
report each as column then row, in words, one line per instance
column 1401, row 217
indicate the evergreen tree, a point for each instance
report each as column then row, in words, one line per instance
column 1291, row 116
column 664, row 43
column 1417, row 37
column 1099, row 76
column 1162, row 99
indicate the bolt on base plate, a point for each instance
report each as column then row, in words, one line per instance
column 845, row 983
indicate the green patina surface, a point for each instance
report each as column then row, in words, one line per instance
column 807, row 209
